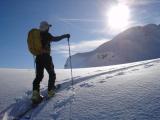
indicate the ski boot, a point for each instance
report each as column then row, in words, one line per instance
column 36, row 97
column 51, row 93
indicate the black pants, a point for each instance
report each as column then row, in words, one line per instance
column 44, row 61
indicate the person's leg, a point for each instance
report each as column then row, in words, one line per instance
column 39, row 73
column 50, row 69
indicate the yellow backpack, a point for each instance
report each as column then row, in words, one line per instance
column 34, row 42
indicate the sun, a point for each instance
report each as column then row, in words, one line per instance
column 118, row 17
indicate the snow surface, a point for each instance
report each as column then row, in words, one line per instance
column 134, row 44
column 119, row 92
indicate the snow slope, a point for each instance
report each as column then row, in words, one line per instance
column 119, row 92
column 134, row 44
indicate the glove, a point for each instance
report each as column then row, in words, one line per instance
column 67, row 35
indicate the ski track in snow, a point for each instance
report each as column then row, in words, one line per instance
column 84, row 82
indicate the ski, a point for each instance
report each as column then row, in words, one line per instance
column 27, row 114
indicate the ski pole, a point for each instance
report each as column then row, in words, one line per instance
column 70, row 59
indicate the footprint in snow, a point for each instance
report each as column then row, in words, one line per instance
column 134, row 69
column 109, row 77
column 102, row 81
column 120, row 73
column 87, row 85
column 149, row 65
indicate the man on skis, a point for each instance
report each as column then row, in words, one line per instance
column 44, row 61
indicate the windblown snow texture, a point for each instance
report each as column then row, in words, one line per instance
column 134, row 44
column 119, row 92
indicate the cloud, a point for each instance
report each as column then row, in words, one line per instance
column 79, row 20
column 84, row 46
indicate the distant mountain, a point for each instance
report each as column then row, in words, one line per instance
column 134, row 44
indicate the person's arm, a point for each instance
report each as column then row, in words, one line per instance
column 58, row 38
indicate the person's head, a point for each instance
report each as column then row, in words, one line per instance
column 44, row 26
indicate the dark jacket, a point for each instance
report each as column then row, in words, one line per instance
column 46, row 39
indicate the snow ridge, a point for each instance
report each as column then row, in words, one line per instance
column 134, row 44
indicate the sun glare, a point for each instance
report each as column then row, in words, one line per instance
column 118, row 17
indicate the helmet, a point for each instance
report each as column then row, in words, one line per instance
column 44, row 26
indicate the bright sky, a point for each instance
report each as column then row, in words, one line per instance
column 90, row 23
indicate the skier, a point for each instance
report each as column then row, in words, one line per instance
column 44, row 61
